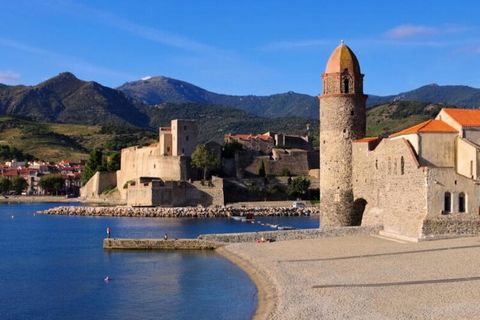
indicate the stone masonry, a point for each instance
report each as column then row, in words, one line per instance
column 342, row 119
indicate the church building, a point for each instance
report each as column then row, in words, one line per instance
column 419, row 183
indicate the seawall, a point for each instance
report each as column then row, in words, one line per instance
column 285, row 235
column 159, row 244
column 178, row 212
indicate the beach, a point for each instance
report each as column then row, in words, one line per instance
column 363, row 277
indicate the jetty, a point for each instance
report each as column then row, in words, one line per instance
column 160, row 244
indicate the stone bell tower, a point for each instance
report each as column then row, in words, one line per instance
column 342, row 119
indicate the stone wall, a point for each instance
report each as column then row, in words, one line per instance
column 450, row 226
column 391, row 187
column 100, row 182
column 184, row 137
column 139, row 162
column 155, row 192
column 342, row 119
column 296, row 161
column 290, row 234
column 159, row 244
column 178, row 212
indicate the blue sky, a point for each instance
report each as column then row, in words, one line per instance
column 241, row 47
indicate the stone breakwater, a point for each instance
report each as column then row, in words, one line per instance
column 160, row 244
column 181, row 212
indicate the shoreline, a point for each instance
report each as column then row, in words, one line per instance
column 266, row 290
column 38, row 199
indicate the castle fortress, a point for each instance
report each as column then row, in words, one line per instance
column 418, row 183
column 158, row 174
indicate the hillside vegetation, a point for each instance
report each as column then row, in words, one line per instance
column 388, row 118
column 54, row 142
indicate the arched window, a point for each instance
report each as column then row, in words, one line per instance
column 461, row 202
column 346, row 85
column 447, row 202
column 402, row 165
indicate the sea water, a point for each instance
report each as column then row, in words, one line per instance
column 54, row 267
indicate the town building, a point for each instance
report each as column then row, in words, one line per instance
column 265, row 142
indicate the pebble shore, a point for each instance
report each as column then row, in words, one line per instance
column 362, row 277
column 180, row 212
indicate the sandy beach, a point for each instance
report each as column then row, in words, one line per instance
column 363, row 277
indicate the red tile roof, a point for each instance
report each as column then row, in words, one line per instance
column 367, row 139
column 464, row 117
column 247, row 137
column 429, row 126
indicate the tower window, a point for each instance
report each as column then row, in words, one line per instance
column 346, row 85
column 186, row 138
column 402, row 165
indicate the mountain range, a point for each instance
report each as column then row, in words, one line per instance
column 155, row 90
column 66, row 99
column 75, row 116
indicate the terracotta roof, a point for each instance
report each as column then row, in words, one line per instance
column 342, row 58
column 427, row 126
column 248, row 137
column 367, row 139
column 464, row 117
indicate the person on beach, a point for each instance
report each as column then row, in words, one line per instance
column 165, row 237
column 108, row 232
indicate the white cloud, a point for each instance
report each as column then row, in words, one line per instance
column 9, row 77
column 409, row 31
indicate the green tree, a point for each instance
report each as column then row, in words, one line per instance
column 19, row 184
column 203, row 159
column 52, row 183
column 94, row 164
column 261, row 170
column 5, row 185
column 298, row 187
column 113, row 162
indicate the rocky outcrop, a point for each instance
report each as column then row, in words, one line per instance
column 180, row 212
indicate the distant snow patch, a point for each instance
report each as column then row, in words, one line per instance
column 147, row 78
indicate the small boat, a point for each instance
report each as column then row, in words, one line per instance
column 236, row 218
column 285, row 228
